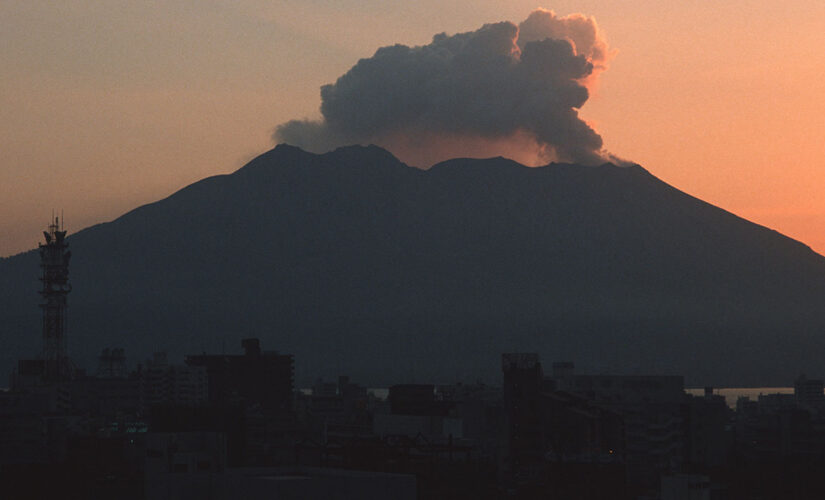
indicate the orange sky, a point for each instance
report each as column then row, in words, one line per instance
column 108, row 105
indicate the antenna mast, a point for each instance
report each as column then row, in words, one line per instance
column 54, row 264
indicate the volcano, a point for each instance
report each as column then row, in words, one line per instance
column 357, row 263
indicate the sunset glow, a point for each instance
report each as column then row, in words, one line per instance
column 109, row 106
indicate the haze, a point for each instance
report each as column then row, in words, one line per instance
column 108, row 105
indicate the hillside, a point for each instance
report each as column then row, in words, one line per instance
column 359, row 264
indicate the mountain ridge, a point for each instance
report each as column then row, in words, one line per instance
column 359, row 263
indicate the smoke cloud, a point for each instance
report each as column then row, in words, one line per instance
column 502, row 89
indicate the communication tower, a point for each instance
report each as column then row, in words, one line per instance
column 54, row 263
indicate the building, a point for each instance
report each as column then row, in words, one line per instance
column 263, row 378
column 184, row 465
column 653, row 410
column 709, row 435
column 685, row 487
column 259, row 384
column 524, row 429
column 809, row 393
column 555, row 440
column 171, row 385
column 111, row 363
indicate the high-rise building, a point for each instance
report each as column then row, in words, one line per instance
column 809, row 392
column 524, row 432
column 256, row 377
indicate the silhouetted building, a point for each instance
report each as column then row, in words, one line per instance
column 417, row 399
column 24, row 436
column 111, row 398
column 524, row 429
column 89, row 467
column 563, row 374
column 576, row 430
column 709, row 436
column 257, row 377
column 176, row 385
column 479, row 409
column 685, row 487
column 184, row 465
column 652, row 408
column 111, row 363
column 557, row 443
column 810, row 393
column 339, row 409
column 775, row 403
column 260, row 383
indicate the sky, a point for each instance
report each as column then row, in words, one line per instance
column 108, row 105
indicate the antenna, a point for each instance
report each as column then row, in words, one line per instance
column 54, row 262
column 62, row 221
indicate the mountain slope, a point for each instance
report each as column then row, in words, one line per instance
column 358, row 263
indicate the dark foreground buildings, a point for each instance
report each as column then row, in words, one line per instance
column 220, row 426
column 234, row 426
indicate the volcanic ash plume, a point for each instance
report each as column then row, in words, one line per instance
column 502, row 89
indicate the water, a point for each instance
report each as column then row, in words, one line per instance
column 733, row 393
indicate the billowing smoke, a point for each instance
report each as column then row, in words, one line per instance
column 503, row 89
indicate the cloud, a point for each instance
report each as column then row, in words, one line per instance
column 501, row 88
